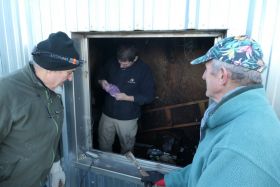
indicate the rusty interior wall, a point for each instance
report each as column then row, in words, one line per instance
column 176, row 80
column 179, row 88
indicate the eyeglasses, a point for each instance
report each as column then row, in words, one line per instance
column 37, row 52
column 70, row 72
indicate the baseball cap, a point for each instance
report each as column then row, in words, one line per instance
column 238, row 50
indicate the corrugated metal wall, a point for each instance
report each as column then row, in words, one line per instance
column 23, row 23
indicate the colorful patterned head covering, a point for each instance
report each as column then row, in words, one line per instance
column 238, row 50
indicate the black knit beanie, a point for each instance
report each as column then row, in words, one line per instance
column 57, row 53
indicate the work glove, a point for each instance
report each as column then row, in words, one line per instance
column 154, row 178
column 57, row 175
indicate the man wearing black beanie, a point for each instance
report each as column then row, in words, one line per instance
column 31, row 115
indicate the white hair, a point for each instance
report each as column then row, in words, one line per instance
column 239, row 74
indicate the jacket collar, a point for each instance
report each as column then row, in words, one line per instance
column 234, row 104
column 30, row 70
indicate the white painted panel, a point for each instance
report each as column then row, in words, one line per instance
column 257, row 21
column 112, row 15
column 83, row 15
column 57, row 15
column 273, row 81
column 126, row 15
column 12, row 51
column 177, row 14
column 36, row 21
column 148, row 14
column 46, row 17
column 138, row 15
column 268, row 27
column 266, row 35
column 161, row 14
column 97, row 15
column 71, row 15
column 16, row 43
column 219, row 14
column 4, row 49
column 25, row 38
column 238, row 17
column 204, row 14
column 192, row 14
column 7, row 42
column 27, row 27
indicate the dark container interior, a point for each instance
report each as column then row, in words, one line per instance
column 169, row 126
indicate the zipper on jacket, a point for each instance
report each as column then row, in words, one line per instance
column 48, row 108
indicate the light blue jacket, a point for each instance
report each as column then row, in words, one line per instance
column 241, row 146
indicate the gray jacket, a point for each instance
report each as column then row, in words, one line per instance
column 31, row 120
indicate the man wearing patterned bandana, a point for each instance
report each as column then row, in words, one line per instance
column 31, row 115
column 240, row 132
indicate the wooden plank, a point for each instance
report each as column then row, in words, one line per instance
column 175, row 106
column 168, row 116
column 202, row 107
column 172, row 127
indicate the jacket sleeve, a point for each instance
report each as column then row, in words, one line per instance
column 178, row 177
column 103, row 70
column 230, row 168
column 147, row 89
column 5, row 120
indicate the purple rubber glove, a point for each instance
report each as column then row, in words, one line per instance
column 112, row 89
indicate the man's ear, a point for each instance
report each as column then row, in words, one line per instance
column 224, row 76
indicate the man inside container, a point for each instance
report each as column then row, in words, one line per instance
column 240, row 132
column 32, row 113
column 129, row 84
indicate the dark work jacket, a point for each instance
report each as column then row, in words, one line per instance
column 31, row 119
column 136, row 80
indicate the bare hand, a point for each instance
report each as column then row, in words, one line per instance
column 104, row 84
column 121, row 97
